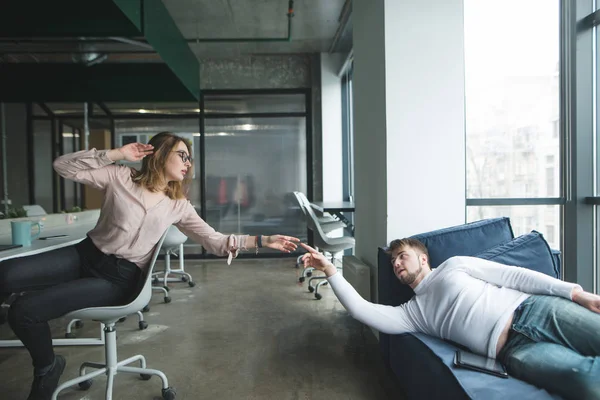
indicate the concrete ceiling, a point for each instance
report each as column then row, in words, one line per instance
column 314, row 26
column 317, row 26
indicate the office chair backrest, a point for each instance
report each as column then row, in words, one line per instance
column 145, row 294
column 313, row 224
column 300, row 203
column 35, row 210
column 174, row 238
column 303, row 199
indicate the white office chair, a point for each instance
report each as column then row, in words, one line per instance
column 173, row 245
column 327, row 223
column 326, row 244
column 109, row 316
column 35, row 210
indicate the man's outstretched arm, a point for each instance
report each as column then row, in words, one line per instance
column 529, row 281
column 386, row 319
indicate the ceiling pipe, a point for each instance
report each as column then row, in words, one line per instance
column 343, row 22
column 290, row 14
column 131, row 41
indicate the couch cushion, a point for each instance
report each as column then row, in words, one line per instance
column 477, row 385
column 528, row 251
column 465, row 240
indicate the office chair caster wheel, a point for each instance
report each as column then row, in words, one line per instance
column 70, row 335
column 78, row 324
column 301, row 279
column 85, row 385
column 311, row 289
column 184, row 278
column 167, row 299
column 122, row 319
column 145, row 377
column 169, row 393
column 309, row 274
column 192, row 283
column 142, row 325
column 166, row 288
column 318, row 296
column 146, row 309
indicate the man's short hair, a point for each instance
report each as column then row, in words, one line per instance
column 408, row 242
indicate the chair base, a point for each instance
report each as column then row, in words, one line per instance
column 165, row 275
column 165, row 291
column 112, row 367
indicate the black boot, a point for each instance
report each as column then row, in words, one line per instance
column 44, row 385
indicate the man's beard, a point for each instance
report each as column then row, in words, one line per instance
column 409, row 278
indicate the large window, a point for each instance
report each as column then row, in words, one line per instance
column 513, row 114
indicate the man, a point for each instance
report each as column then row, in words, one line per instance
column 545, row 331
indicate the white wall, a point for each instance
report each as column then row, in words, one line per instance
column 369, row 109
column 331, row 114
column 425, row 102
column 408, row 120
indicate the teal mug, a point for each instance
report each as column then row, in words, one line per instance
column 21, row 232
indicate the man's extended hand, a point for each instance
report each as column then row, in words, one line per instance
column 317, row 260
column 588, row 300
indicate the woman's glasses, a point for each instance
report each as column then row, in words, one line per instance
column 184, row 156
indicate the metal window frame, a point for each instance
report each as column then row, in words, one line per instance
column 578, row 134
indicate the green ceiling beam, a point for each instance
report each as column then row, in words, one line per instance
column 162, row 34
column 103, row 82
column 132, row 9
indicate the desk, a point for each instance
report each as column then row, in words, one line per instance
column 336, row 208
column 76, row 232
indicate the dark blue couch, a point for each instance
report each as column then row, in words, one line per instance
column 423, row 365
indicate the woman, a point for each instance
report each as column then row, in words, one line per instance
column 106, row 267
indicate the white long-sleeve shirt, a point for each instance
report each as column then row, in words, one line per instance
column 466, row 299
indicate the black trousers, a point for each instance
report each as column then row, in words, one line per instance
column 58, row 282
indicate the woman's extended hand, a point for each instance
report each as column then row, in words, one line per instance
column 283, row 243
column 136, row 151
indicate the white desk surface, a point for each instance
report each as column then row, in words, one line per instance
column 76, row 232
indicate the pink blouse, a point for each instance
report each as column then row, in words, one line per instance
column 126, row 228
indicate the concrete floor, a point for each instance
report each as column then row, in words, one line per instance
column 246, row 331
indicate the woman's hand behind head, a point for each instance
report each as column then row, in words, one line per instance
column 136, row 151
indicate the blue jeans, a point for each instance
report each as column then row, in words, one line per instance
column 554, row 344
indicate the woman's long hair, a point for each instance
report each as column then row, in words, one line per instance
column 152, row 174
